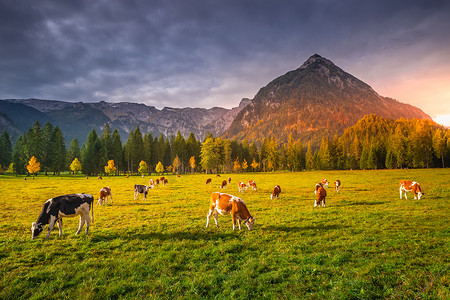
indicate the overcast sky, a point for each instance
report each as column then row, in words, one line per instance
column 214, row 53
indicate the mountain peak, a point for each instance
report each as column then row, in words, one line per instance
column 315, row 58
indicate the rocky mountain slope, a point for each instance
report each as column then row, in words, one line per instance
column 77, row 119
column 317, row 99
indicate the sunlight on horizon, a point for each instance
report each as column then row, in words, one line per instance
column 442, row 119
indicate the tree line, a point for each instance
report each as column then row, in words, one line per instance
column 372, row 143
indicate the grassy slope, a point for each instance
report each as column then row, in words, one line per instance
column 367, row 243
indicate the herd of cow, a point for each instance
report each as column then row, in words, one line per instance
column 73, row 205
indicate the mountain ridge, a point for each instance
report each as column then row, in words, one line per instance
column 316, row 100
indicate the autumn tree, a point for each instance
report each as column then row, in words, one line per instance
column 254, row 165
column 110, row 168
column 192, row 163
column 159, row 167
column 33, row 166
column 244, row 165
column 75, row 166
column 236, row 165
column 176, row 163
column 143, row 168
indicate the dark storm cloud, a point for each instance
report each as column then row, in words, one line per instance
column 194, row 53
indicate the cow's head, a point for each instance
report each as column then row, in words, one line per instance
column 250, row 222
column 420, row 194
column 36, row 229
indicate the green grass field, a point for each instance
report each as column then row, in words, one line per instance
column 367, row 243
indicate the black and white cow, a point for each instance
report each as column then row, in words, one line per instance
column 140, row 189
column 64, row 206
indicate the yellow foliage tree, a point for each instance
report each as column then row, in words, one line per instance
column 169, row 169
column 236, row 165
column 33, row 165
column 159, row 167
column 244, row 165
column 192, row 163
column 110, row 168
column 176, row 163
column 143, row 167
column 75, row 166
column 254, row 164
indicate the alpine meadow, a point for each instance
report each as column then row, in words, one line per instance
column 366, row 243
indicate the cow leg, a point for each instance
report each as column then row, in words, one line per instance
column 88, row 222
column 82, row 221
column 216, row 219
column 315, row 203
column 233, row 219
column 400, row 189
column 323, row 202
column 239, row 223
column 50, row 225
column 208, row 216
column 60, row 226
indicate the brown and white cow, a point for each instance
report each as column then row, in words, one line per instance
column 241, row 186
column 225, row 204
column 161, row 179
column 64, row 206
column 151, row 183
column 323, row 183
column 337, row 185
column 276, row 192
column 156, row 181
column 224, row 184
column 165, row 181
column 103, row 195
column 410, row 186
column 208, row 181
column 321, row 195
column 252, row 184
column 229, row 180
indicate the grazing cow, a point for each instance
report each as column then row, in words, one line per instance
column 64, row 206
column 156, row 181
column 321, row 195
column 337, row 185
column 103, row 195
column 178, row 176
column 151, row 183
column 218, row 175
column 165, row 181
column 229, row 180
column 410, row 186
column 162, row 179
column 276, row 192
column 252, row 184
column 241, row 186
column 208, row 181
column 140, row 189
column 225, row 204
column 224, row 184
column 128, row 176
column 99, row 177
column 323, row 183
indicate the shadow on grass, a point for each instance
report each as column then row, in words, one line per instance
column 194, row 236
column 361, row 203
column 303, row 228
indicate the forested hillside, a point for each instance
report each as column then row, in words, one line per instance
column 372, row 143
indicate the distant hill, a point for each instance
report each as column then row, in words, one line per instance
column 317, row 99
column 77, row 119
